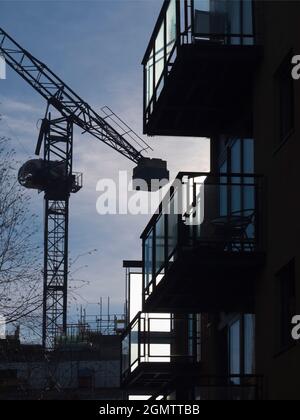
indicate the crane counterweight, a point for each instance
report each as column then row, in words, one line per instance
column 44, row 176
column 152, row 172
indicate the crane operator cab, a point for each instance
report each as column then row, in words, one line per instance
column 150, row 174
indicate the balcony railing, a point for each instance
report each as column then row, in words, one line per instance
column 153, row 339
column 217, row 215
column 191, row 22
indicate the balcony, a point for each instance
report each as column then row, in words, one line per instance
column 204, row 246
column 199, row 67
column 155, row 353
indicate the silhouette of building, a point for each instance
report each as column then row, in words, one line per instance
column 218, row 278
column 85, row 366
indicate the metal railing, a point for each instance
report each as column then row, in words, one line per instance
column 153, row 338
column 77, row 181
column 182, row 22
column 219, row 214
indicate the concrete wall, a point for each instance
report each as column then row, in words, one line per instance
column 278, row 23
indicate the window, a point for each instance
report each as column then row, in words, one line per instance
column 241, row 343
column 235, row 351
column 194, row 337
column 237, row 193
column 249, row 344
column 285, row 99
column 219, row 18
column 287, row 287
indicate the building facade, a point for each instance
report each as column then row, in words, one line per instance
column 86, row 367
column 220, row 257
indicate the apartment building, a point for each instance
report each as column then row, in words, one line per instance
column 220, row 268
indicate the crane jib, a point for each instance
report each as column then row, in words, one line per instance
column 114, row 133
column 63, row 98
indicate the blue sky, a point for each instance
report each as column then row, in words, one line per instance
column 96, row 47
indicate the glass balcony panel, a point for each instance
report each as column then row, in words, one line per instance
column 135, row 295
column 172, row 226
column 148, row 262
column 159, row 353
column 149, row 79
column 159, row 54
column 248, row 22
column 194, row 213
column 125, row 354
column 160, row 323
column 155, row 344
column 143, row 322
column 134, row 346
column 160, row 244
column 156, row 338
column 171, row 27
column 150, row 341
column 155, row 322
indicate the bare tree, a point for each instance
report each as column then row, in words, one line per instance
column 20, row 271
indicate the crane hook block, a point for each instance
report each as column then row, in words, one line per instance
column 150, row 174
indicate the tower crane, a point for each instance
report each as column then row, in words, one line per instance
column 53, row 173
